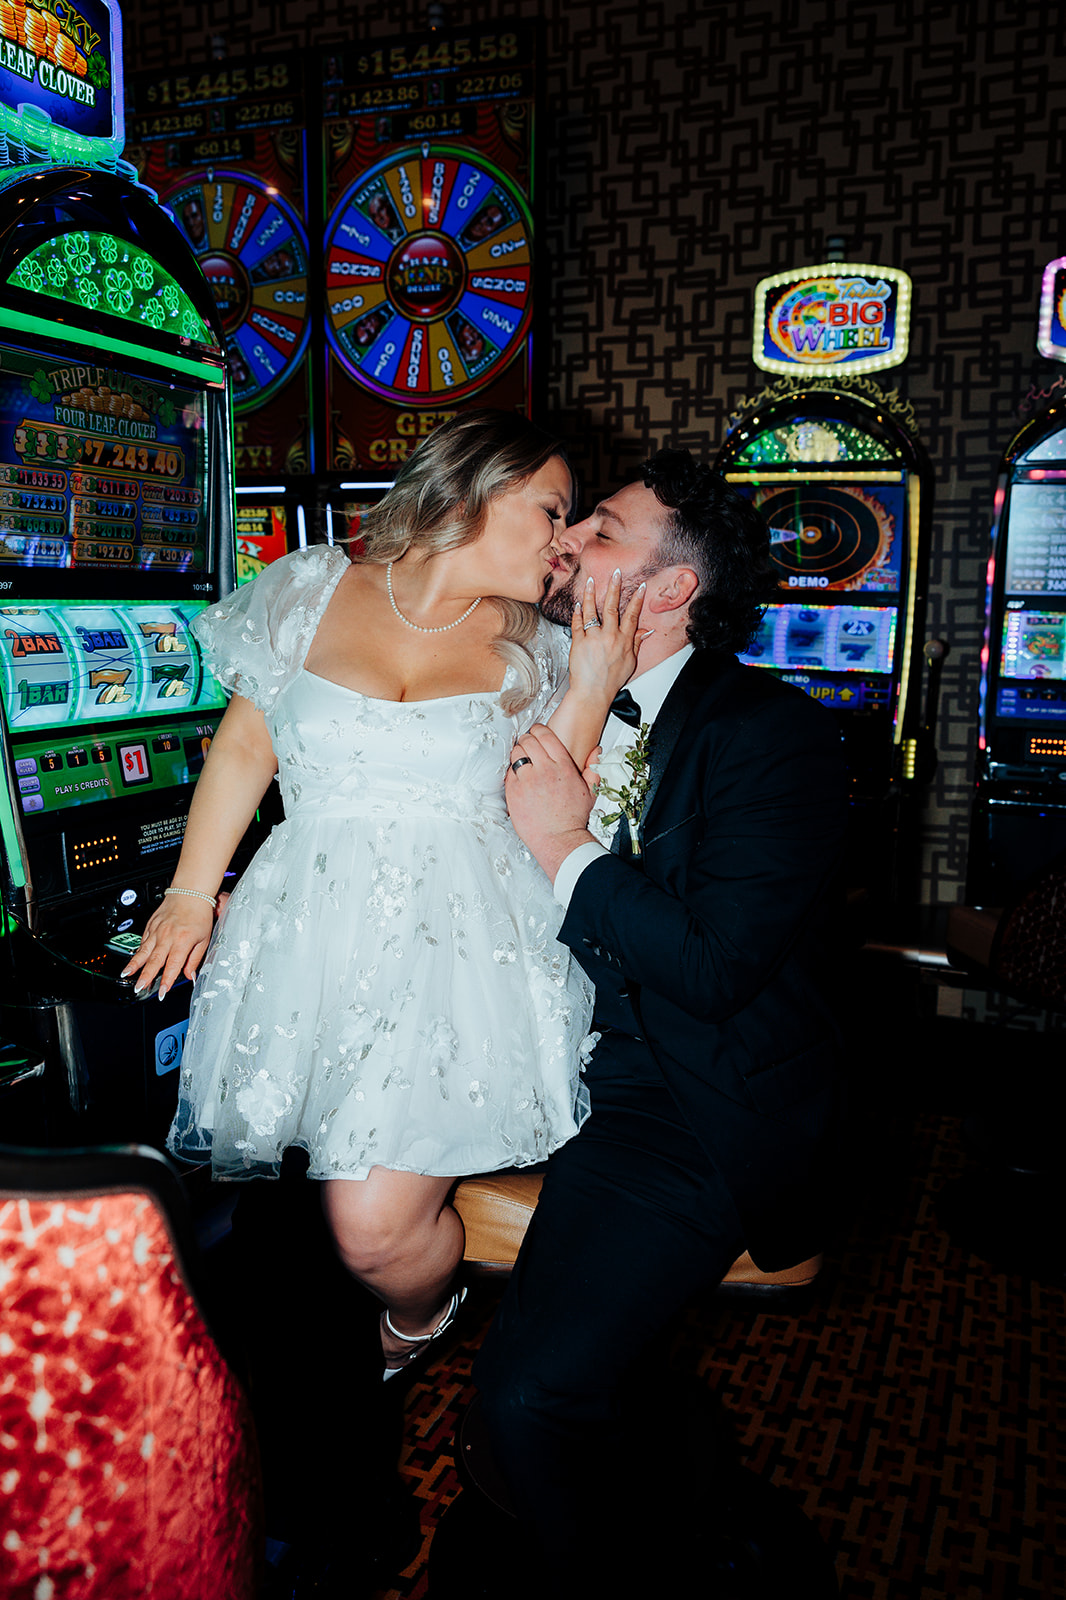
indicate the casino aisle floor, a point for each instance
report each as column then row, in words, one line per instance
column 909, row 1413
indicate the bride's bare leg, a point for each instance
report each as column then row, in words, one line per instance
column 397, row 1234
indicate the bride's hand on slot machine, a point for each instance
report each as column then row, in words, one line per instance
column 174, row 942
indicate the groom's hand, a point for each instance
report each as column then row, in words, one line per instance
column 548, row 799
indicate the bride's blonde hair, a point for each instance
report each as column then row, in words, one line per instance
column 440, row 500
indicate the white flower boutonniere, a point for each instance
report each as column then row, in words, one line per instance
column 624, row 780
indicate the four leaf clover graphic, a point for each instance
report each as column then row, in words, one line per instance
column 31, row 275
column 78, row 253
column 119, row 290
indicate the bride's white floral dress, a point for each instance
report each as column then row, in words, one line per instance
column 385, row 987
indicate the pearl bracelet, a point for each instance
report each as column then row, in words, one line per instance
column 197, row 894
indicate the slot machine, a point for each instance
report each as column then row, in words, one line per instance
column 269, row 523
column 1019, row 810
column 429, row 242
column 226, row 147
column 834, row 464
column 116, row 528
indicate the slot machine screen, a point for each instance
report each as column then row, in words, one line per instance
column 262, row 535
column 1019, row 817
column 1032, row 634
column 103, row 702
column 1036, row 551
column 100, row 469
column 830, row 638
column 87, row 690
column 838, row 536
column 1034, row 646
column 839, row 550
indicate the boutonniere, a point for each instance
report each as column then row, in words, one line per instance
column 624, row 781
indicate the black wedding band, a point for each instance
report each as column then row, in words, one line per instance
column 523, row 761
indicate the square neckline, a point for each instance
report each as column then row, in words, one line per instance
column 433, row 700
column 375, row 699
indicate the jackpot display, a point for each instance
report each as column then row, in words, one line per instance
column 226, row 149
column 364, row 219
column 1019, row 819
column 429, row 236
column 263, row 533
column 835, row 469
column 101, row 469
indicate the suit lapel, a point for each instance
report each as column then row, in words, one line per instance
column 703, row 670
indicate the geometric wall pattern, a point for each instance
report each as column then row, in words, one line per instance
column 692, row 149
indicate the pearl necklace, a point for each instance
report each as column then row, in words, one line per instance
column 417, row 626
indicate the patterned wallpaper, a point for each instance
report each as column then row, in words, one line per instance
column 691, row 149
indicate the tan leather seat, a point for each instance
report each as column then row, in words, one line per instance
column 496, row 1208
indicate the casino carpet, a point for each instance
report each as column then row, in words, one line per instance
column 910, row 1412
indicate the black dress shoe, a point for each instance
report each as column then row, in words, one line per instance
column 481, row 1553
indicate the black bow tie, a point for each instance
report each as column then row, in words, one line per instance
column 625, row 708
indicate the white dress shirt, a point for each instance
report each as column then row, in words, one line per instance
column 649, row 689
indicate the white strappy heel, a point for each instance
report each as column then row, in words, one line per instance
column 421, row 1340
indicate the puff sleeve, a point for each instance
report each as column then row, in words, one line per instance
column 551, row 652
column 256, row 640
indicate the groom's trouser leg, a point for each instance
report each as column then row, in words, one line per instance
column 632, row 1220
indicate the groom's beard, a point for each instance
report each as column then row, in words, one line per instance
column 558, row 604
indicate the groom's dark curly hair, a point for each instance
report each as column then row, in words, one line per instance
column 725, row 541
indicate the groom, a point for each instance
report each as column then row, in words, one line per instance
column 712, row 1083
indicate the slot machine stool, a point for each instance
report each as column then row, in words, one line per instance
column 496, row 1209
column 772, row 1541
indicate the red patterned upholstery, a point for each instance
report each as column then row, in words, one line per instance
column 128, row 1465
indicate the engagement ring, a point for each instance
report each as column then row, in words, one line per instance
column 595, row 623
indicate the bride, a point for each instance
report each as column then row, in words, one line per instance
column 385, row 988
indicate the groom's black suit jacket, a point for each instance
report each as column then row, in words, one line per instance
column 718, row 941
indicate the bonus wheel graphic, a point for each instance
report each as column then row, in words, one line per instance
column 253, row 252
column 428, row 275
column 832, row 534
